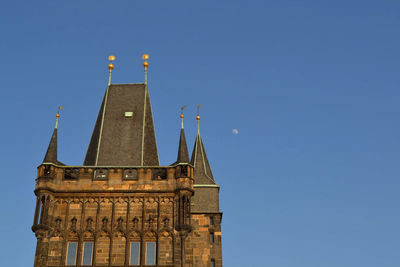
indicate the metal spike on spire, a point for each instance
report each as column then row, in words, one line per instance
column 198, row 118
column 182, row 116
column 145, row 57
column 58, row 116
column 111, row 58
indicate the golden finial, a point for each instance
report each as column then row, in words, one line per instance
column 145, row 57
column 58, row 115
column 182, row 116
column 198, row 112
column 198, row 119
column 111, row 58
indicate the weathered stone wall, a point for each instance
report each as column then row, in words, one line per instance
column 114, row 212
column 199, row 244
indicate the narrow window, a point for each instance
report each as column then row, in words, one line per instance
column 212, row 263
column 211, row 220
column 87, row 253
column 150, row 253
column 71, row 253
column 212, row 238
column 135, row 253
column 41, row 210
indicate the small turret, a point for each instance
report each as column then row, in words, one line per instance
column 183, row 154
column 202, row 170
column 51, row 153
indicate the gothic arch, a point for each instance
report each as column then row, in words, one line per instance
column 88, row 235
column 150, row 234
column 72, row 236
column 134, row 235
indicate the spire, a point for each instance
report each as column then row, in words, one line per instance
column 202, row 170
column 111, row 58
column 51, row 153
column 183, row 154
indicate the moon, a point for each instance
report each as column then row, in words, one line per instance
column 235, row 131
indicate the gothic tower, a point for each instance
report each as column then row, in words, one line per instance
column 121, row 208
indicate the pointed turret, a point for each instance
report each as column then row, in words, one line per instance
column 51, row 153
column 183, row 154
column 202, row 170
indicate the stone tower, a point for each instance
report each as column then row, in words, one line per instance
column 121, row 208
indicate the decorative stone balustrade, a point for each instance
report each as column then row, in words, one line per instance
column 70, row 173
column 58, row 178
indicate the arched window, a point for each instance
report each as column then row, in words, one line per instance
column 149, row 242
column 87, row 249
column 134, row 253
column 72, row 248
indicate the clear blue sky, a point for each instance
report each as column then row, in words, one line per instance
column 312, row 177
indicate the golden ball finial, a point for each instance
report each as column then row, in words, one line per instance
column 198, row 117
column 181, row 116
column 58, row 115
column 145, row 63
column 111, row 65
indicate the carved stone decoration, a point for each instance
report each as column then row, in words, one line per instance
column 150, row 222
column 58, row 223
column 165, row 222
column 135, row 222
column 73, row 223
column 104, row 223
column 89, row 223
column 119, row 223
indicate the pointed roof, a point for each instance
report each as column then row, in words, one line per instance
column 51, row 153
column 124, row 132
column 202, row 169
column 183, row 154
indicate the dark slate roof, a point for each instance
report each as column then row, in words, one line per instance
column 51, row 153
column 118, row 140
column 202, row 170
column 183, row 154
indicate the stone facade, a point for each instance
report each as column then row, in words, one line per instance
column 113, row 207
